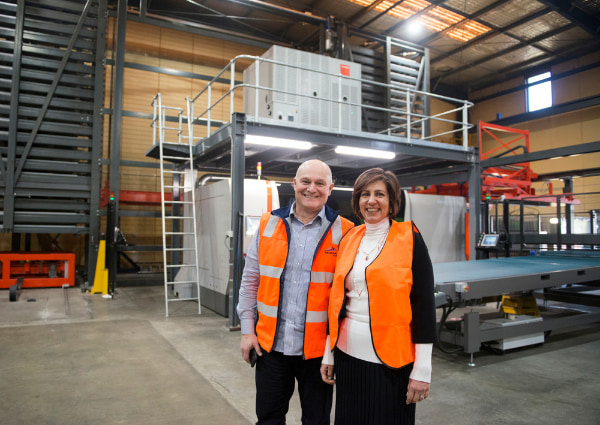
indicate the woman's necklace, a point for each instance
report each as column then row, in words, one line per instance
column 359, row 289
column 376, row 248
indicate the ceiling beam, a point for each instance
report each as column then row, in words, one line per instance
column 233, row 19
column 367, row 9
column 383, row 13
column 544, row 61
column 475, row 15
column 579, row 17
column 495, row 31
column 280, row 11
column 510, row 49
column 423, row 11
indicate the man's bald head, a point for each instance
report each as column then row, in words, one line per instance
column 315, row 164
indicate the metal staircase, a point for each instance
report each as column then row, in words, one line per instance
column 181, row 271
column 406, row 76
column 399, row 73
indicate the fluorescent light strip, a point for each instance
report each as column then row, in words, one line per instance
column 370, row 153
column 277, row 142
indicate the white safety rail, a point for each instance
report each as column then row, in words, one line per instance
column 408, row 120
column 175, row 148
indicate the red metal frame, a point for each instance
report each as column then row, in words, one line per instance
column 514, row 181
column 507, row 182
column 134, row 197
column 36, row 267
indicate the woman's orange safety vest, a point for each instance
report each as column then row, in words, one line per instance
column 272, row 256
column 389, row 282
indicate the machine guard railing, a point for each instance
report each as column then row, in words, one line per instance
column 456, row 117
column 559, row 239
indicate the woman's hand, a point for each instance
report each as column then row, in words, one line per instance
column 417, row 391
column 327, row 374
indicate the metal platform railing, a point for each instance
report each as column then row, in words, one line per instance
column 454, row 119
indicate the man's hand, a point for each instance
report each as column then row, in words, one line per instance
column 327, row 373
column 248, row 342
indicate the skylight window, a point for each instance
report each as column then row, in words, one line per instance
column 539, row 95
column 436, row 18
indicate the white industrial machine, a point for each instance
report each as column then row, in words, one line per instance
column 309, row 89
column 213, row 223
column 441, row 221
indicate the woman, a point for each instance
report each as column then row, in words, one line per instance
column 381, row 311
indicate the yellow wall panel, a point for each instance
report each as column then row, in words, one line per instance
column 438, row 106
column 5, row 242
column 140, row 38
column 591, row 160
column 139, row 87
column 136, row 139
column 141, row 179
column 508, row 105
column 567, row 89
column 590, row 124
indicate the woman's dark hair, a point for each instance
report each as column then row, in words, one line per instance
column 391, row 184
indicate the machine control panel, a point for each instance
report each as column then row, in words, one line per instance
column 488, row 240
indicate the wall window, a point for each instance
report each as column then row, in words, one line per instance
column 539, row 96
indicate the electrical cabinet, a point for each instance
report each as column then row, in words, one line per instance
column 304, row 88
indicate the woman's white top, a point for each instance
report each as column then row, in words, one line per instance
column 355, row 331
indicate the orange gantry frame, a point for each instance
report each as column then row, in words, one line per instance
column 38, row 269
column 511, row 182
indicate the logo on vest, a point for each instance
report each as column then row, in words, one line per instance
column 331, row 251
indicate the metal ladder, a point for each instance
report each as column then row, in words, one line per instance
column 180, row 261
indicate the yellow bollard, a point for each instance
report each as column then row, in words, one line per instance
column 101, row 277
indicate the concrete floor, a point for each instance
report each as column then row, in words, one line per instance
column 90, row 360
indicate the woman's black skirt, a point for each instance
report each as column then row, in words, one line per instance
column 370, row 393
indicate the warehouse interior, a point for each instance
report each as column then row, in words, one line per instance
column 135, row 164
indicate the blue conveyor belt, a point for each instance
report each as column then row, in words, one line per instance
column 495, row 268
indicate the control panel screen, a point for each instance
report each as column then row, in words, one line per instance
column 489, row 240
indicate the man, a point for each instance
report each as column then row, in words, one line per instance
column 287, row 278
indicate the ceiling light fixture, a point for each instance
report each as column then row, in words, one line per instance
column 370, row 153
column 278, row 142
column 414, row 28
column 435, row 18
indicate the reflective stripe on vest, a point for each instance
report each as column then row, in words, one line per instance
column 321, row 277
column 267, row 310
column 270, row 227
column 389, row 281
column 336, row 232
column 270, row 271
column 316, row 317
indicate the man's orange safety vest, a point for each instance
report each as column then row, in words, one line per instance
column 389, row 282
column 272, row 256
